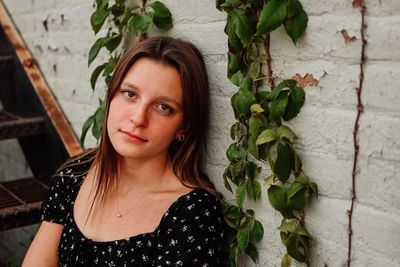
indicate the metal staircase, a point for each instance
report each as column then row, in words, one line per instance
column 30, row 114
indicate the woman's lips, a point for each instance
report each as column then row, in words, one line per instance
column 133, row 137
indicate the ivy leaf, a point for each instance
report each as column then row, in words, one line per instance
column 284, row 238
column 98, row 17
column 109, row 66
column 271, row 17
column 218, row 4
column 296, row 26
column 256, row 126
column 270, row 180
column 252, row 147
column 235, row 153
column 284, row 162
column 295, row 250
column 277, row 198
column 314, row 189
column 255, row 68
column 162, row 15
column 233, row 255
column 94, row 50
column 283, row 84
column 226, row 182
column 113, row 42
column 256, row 109
column 262, row 96
column 304, row 232
column 297, row 161
column 299, row 200
column 230, row 223
column 305, row 244
column 141, row 22
column 286, row 261
column 237, row 78
column 288, row 227
column 240, row 194
column 286, row 132
column 235, row 64
column 86, row 127
column 102, row 3
column 234, row 213
column 266, row 136
column 293, row 8
column 278, row 106
column 98, row 122
column 243, row 236
column 236, row 172
column 296, row 101
column 243, row 26
column 242, row 100
column 254, row 189
column 234, row 42
column 252, row 252
column 234, row 130
column 246, row 83
column 250, row 212
column 95, row 75
column 305, row 180
column 294, row 188
column 258, row 231
column 128, row 12
column 251, row 170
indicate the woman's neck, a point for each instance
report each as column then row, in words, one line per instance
column 142, row 174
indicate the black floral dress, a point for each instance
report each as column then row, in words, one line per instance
column 190, row 232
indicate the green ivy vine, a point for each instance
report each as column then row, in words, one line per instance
column 126, row 20
column 258, row 133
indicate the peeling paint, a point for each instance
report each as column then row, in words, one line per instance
column 308, row 79
column 347, row 38
column 358, row 3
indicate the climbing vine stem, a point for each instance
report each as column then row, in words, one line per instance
column 259, row 134
column 360, row 109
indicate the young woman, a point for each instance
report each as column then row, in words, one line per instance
column 139, row 198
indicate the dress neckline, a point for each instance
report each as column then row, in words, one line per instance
column 130, row 238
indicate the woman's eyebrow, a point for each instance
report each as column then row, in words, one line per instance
column 168, row 99
column 129, row 85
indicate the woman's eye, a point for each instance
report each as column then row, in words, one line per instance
column 129, row 94
column 165, row 108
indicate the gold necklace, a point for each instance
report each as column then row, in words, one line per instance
column 140, row 199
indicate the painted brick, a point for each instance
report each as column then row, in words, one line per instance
column 324, row 126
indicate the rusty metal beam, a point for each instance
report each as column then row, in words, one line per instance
column 48, row 101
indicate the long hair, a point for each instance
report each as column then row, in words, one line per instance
column 186, row 156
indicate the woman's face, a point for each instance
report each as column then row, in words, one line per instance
column 146, row 112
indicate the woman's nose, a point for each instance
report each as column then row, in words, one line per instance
column 139, row 115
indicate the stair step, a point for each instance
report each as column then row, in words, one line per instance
column 13, row 126
column 20, row 202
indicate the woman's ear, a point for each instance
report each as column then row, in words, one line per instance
column 180, row 133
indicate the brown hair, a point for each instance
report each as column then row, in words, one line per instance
column 187, row 156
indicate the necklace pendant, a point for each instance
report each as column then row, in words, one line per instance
column 119, row 215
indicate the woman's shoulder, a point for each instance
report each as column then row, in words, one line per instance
column 196, row 204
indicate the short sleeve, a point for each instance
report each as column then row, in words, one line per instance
column 56, row 207
column 193, row 236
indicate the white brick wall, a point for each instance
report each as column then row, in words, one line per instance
column 324, row 126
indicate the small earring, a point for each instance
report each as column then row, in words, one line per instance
column 180, row 139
